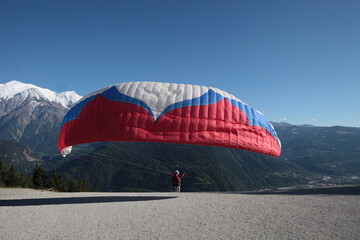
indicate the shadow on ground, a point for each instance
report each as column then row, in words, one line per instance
column 344, row 190
column 77, row 200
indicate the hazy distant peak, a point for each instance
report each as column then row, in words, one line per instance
column 24, row 90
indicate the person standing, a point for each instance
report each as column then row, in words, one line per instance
column 176, row 180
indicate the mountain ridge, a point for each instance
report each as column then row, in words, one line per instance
column 23, row 91
column 32, row 115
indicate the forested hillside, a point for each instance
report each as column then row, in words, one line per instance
column 328, row 150
column 146, row 166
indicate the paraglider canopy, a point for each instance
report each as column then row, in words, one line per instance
column 167, row 112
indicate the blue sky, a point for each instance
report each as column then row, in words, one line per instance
column 294, row 60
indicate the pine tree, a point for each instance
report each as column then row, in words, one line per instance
column 61, row 184
column 53, row 181
column 39, row 177
column 73, row 186
column 3, row 170
column 13, row 179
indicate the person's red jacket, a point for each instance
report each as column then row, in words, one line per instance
column 176, row 178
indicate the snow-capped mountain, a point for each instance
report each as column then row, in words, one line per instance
column 23, row 90
column 32, row 115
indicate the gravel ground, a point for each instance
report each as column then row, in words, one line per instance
column 33, row 214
